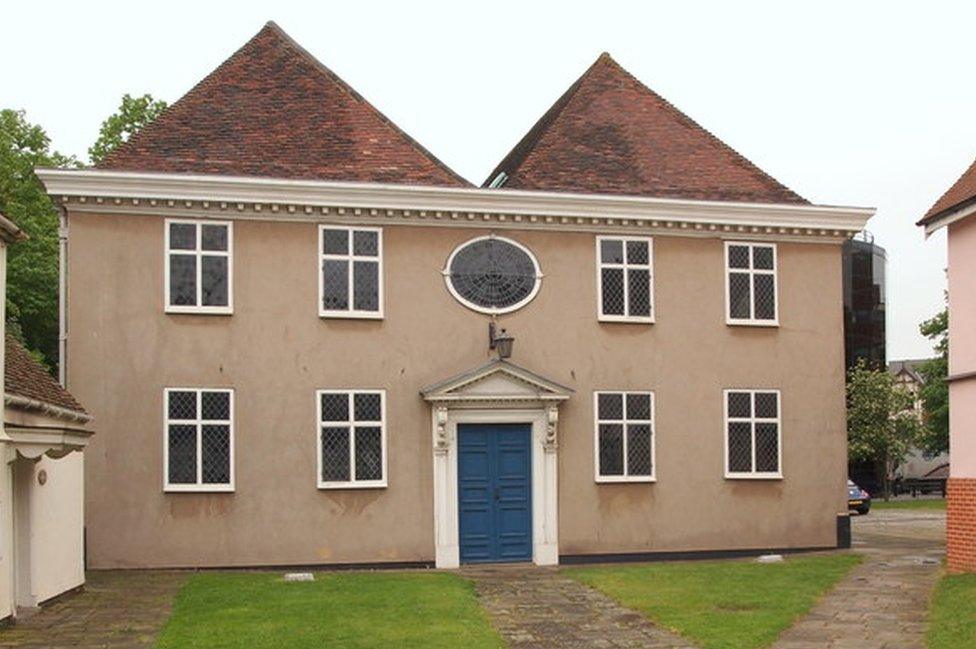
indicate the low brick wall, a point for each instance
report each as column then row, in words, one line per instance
column 961, row 525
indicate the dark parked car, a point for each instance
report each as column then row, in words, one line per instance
column 858, row 499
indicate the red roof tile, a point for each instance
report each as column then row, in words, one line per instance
column 273, row 110
column 24, row 377
column 962, row 192
column 610, row 134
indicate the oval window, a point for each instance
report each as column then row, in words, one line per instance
column 492, row 275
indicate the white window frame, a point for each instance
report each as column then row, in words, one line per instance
column 351, row 258
column 752, row 320
column 600, row 265
column 351, row 422
column 753, row 420
column 199, row 486
column 596, row 438
column 199, row 252
column 492, row 310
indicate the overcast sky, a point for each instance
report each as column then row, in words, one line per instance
column 850, row 103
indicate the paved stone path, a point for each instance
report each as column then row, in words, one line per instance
column 884, row 602
column 117, row 609
column 538, row 607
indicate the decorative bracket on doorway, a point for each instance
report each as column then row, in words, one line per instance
column 442, row 442
column 552, row 440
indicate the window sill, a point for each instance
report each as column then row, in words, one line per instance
column 753, row 476
column 352, row 315
column 198, row 489
column 200, row 310
column 329, row 486
column 626, row 319
column 644, row 479
column 751, row 323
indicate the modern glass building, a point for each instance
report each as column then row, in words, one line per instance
column 864, row 301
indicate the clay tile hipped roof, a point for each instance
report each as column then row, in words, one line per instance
column 610, row 134
column 962, row 192
column 273, row 110
column 24, row 377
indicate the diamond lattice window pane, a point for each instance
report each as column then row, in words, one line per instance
column 182, row 236
column 369, row 453
column 611, row 251
column 213, row 281
column 182, row 441
column 366, row 286
column 740, row 404
column 611, row 445
column 182, row 405
column 335, row 284
column 182, row 280
column 637, row 252
column 335, row 242
column 639, row 292
column 492, row 273
column 765, row 296
column 739, row 295
column 213, row 237
column 738, row 256
column 610, row 405
column 612, row 282
column 368, row 406
column 767, row 405
column 366, row 243
column 335, row 454
column 335, row 406
column 639, row 449
column 740, row 447
column 767, row 448
column 762, row 257
column 639, row 407
column 215, row 454
column 215, row 405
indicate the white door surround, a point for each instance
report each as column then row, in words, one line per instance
column 495, row 393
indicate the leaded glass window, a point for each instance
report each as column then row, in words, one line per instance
column 351, row 438
column 625, row 282
column 493, row 275
column 752, row 428
column 350, row 272
column 751, row 283
column 199, row 439
column 624, row 436
column 198, row 267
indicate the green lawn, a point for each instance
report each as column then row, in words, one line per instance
column 952, row 620
column 349, row 609
column 911, row 503
column 722, row 604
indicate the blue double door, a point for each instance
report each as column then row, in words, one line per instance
column 495, row 492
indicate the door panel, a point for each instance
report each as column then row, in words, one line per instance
column 494, row 492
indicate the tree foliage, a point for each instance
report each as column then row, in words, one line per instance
column 881, row 420
column 935, row 391
column 133, row 114
column 32, row 265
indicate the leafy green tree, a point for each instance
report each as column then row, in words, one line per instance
column 32, row 265
column 881, row 421
column 935, row 391
column 133, row 114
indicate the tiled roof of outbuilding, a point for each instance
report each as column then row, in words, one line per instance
column 24, row 377
column 273, row 110
column 963, row 191
column 610, row 134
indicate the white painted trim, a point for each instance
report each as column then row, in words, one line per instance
column 491, row 310
column 949, row 218
column 600, row 265
column 753, row 475
column 545, row 504
column 199, row 253
column 350, row 313
column 199, row 486
column 752, row 321
column 229, row 194
column 610, row 479
column 351, row 423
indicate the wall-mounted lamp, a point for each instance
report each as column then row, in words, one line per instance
column 501, row 342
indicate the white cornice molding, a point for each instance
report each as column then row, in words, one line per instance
column 265, row 198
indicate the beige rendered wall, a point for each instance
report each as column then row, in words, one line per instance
column 962, row 348
column 275, row 352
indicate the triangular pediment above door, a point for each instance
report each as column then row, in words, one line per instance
column 496, row 381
